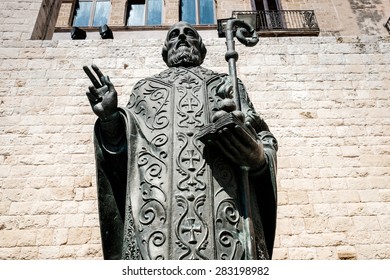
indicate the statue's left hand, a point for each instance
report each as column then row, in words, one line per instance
column 241, row 147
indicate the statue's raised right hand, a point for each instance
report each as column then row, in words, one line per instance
column 102, row 95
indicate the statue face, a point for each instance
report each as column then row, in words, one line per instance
column 183, row 46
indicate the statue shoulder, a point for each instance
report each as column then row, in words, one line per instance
column 215, row 78
column 161, row 78
column 164, row 75
column 139, row 84
column 208, row 73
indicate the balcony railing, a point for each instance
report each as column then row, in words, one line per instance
column 387, row 25
column 281, row 23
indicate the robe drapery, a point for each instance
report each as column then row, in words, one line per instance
column 163, row 194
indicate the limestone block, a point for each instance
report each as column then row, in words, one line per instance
column 88, row 207
column 60, row 236
column 45, row 237
column 20, row 208
column 96, row 235
column 90, row 251
column 283, row 227
column 58, row 194
column 45, row 207
column 302, row 254
column 90, row 193
column 369, row 195
column 79, row 235
column 31, row 221
column 377, row 208
column 78, row 194
column 325, row 253
column 330, row 209
column 280, row 254
column 335, row 239
column 48, row 252
column 311, row 240
column 369, row 223
column 384, row 195
column 74, row 220
column 346, row 253
column 8, row 238
column 282, row 198
column 10, row 253
column 68, row 251
column 91, row 220
column 288, row 240
column 298, row 197
column 56, row 221
column 69, row 207
column 340, row 224
column 28, row 253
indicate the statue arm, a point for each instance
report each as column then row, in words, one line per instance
column 112, row 134
column 111, row 161
column 111, row 141
column 111, row 173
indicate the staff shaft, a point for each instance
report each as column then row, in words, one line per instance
column 231, row 57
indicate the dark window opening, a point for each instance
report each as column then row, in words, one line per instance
column 267, row 5
column 269, row 15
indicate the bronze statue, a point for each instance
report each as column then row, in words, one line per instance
column 168, row 184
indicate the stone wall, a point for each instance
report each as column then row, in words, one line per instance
column 326, row 99
column 346, row 18
column 17, row 18
column 335, row 17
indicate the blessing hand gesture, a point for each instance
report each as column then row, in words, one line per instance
column 102, row 95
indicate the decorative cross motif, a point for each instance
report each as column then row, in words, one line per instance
column 190, row 103
column 191, row 158
column 191, row 227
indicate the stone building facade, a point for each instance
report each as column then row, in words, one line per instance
column 325, row 98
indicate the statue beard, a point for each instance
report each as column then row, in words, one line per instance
column 184, row 56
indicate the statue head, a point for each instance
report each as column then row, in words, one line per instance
column 183, row 46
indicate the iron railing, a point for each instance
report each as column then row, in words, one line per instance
column 282, row 22
column 387, row 25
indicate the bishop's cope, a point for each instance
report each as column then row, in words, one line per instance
column 162, row 192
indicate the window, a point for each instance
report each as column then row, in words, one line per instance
column 91, row 12
column 267, row 5
column 270, row 16
column 144, row 12
column 197, row 11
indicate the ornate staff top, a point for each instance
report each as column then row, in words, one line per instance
column 239, row 29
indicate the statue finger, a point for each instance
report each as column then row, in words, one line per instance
column 92, row 77
column 92, row 98
column 229, row 141
column 109, row 83
column 230, row 137
column 94, row 94
column 102, row 91
column 99, row 74
column 243, row 137
column 224, row 151
column 250, row 127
